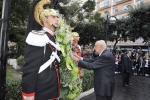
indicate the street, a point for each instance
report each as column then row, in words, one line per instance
column 140, row 90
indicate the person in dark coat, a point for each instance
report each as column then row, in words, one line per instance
column 122, row 55
column 141, row 65
column 126, row 68
column 136, row 66
column 103, row 67
column 41, row 78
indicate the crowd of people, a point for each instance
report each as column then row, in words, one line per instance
column 140, row 60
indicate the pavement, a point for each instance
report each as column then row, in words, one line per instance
column 140, row 90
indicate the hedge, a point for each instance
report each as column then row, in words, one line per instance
column 13, row 85
column 13, row 89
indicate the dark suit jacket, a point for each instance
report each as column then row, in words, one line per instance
column 122, row 56
column 126, row 64
column 103, row 67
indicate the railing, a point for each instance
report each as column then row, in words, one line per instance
column 104, row 5
column 99, row 1
column 120, row 11
column 119, row 1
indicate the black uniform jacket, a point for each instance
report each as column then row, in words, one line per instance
column 127, row 64
column 45, row 85
column 103, row 67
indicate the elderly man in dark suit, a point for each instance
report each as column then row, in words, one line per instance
column 126, row 68
column 103, row 67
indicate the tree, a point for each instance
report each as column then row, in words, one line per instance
column 76, row 11
column 139, row 17
column 90, row 32
column 76, row 14
column 134, row 26
column 18, row 19
column 120, row 33
column 83, row 19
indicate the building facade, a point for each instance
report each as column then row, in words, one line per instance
column 117, row 8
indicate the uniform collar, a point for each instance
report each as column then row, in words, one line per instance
column 49, row 31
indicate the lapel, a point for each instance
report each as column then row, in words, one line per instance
column 129, row 58
column 103, row 52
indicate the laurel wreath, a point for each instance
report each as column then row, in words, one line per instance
column 71, row 84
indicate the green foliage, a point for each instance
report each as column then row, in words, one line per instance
column 8, row 73
column 90, row 25
column 97, row 18
column 139, row 17
column 89, row 32
column 65, row 2
column 121, row 26
column 76, row 10
column 136, row 25
column 70, row 12
column 13, row 86
column 18, row 18
column 19, row 40
column 20, row 60
column 70, row 81
column 19, row 12
column 12, row 52
column 13, row 89
column 88, row 79
column 89, row 6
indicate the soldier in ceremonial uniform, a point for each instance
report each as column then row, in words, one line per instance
column 41, row 78
column 77, row 49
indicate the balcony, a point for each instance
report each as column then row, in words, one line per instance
column 116, row 2
column 99, row 1
column 104, row 6
column 120, row 11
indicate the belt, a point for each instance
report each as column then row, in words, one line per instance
column 49, row 62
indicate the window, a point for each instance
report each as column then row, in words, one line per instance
column 106, row 0
column 115, row 9
column 127, row 7
column 138, row 2
column 106, row 3
column 116, row 0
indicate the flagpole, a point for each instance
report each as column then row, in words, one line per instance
column 4, row 46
